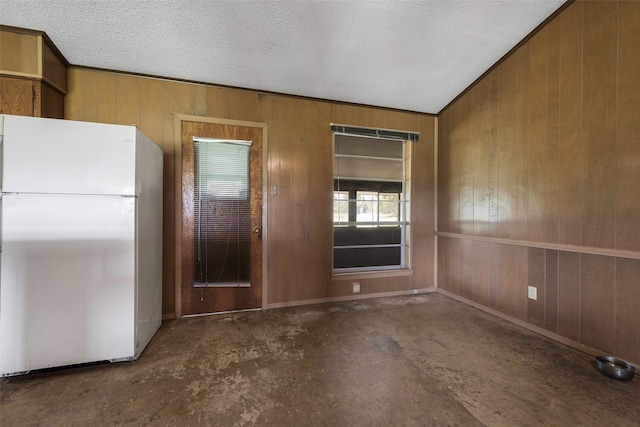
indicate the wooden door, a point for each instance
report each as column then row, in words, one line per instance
column 213, row 298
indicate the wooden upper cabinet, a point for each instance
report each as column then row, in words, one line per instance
column 33, row 74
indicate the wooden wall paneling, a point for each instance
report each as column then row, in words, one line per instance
column 570, row 124
column 443, row 264
column 507, row 287
column 344, row 114
column 313, row 182
column 492, row 271
column 480, row 275
column 422, row 205
column 552, row 143
column 380, row 118
column 453, row 169
column 508, row 149
column 599, row 124
column 90, row 96
column 444, row 168
column 106, row 94
column 569, row 295
column 480, row 141
column 127, row 100
column 466, row 269
column 150, row 105
column 538, row 137
column 536, row 278
column 74, row 101
column 186, row 99
column 29, row 53
column 280, row 112
column 627, row 295
column 522, row 277
column 494, row 110
column 628, row 149
column 551, row 291
column 454, row 267
column 11, row 48
column 232, row 104
column 16, row 96
column 465, row 147
column 597, row 302
column 522, row 140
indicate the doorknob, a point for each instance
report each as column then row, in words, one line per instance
column 257, row 230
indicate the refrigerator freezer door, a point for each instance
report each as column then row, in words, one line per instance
column 74, row 157
column 68, row 280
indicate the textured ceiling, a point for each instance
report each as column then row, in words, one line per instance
column 411, row 55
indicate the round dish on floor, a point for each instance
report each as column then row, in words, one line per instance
column 615, row 368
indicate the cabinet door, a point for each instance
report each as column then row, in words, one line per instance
column 16, row 96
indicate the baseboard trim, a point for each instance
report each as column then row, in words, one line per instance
column 538, row 330
column 350, row 298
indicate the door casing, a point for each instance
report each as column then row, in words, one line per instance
column 178, row 119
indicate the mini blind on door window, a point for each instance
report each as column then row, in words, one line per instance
column 222, row 214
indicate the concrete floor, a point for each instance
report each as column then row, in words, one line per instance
column 405, row 361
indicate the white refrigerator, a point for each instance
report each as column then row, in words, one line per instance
column 81, row 243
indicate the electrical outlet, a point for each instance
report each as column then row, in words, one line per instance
column 356, row 287
column 533, row 292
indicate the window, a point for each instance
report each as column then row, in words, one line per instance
column 222, row 213
column 370, row 199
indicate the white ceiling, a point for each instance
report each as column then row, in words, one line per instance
column 411, row 55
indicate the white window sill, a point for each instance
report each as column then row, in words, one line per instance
column 373, row 274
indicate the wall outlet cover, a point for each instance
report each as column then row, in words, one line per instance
column 356, row 287
column 533, row 292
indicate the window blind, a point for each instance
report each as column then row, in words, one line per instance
column 222, row 214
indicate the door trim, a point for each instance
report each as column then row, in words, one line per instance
column 177, row 148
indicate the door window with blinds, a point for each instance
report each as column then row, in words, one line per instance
column 370, row 204
column 222, row 213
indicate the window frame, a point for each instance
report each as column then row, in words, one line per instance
column 404, row 204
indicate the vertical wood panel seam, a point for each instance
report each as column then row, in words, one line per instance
column 616, row 170
column 615, row 196
column 581, row 132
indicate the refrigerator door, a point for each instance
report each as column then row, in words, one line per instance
column 68, row 280
column 75, row 157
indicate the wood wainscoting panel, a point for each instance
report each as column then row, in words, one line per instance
column 628, row 148
column 569, row 295
column 551, row 291
column 627, row 291
column 454, row 266
column 480, row 274
column 507, row 264
column 466, row 269
column 597, row 302
column 536, row 275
